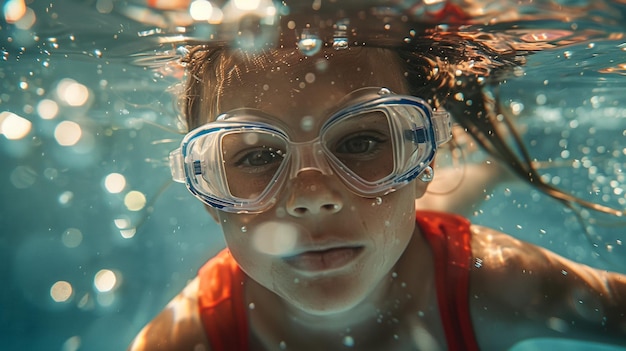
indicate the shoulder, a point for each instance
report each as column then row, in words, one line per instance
column 519, row 290
column 509, row 288
column 511, row 271
column 177, row 327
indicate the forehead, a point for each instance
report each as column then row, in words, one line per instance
column 291, row 86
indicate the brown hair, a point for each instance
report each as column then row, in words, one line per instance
column 212, row 70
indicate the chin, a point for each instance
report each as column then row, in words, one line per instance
column 328, row 308
column 332, row 300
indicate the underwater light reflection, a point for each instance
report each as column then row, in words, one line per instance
column 14, row 127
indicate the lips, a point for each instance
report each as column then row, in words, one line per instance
column 324, row 260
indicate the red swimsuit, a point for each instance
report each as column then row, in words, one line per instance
column 223, row 312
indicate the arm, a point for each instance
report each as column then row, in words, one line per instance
column 522, row 291
column 177, row 327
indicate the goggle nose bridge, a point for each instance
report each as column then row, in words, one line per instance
column 308, row 156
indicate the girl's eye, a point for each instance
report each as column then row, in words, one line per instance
column 359, row 144
column 260, row 158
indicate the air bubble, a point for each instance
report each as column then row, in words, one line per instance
column 340, row 43
column 309, row 44
column 348, row 341
column 307, row 123
column 478, row 263
column 309, row 77
column 244, row 229
column 66, row 197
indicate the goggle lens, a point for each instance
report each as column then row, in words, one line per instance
column 362, row 144
column 251, row 161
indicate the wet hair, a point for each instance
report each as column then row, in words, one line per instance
column 452, row 72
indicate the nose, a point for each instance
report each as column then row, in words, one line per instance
column 309, row 156
column 312, row 194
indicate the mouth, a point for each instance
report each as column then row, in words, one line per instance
column 324, row 260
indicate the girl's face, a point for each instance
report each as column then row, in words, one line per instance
column 321, row 248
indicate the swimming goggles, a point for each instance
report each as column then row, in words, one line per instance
column 376, row 144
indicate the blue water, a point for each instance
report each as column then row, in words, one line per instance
column 85, row 262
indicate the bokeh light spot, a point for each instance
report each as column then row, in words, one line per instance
column 122, row 223
column 115, row 183
column 67, row 133
column 201, row 10
column 66, row 197
column 61, row 291
column 47, row 109
column 135, row 200
column 105, row 280
column 14, row 127
column 105, row 300
column 128, row 233
column 23, row 177
column 72, row 92
column 274, row 238
column 104, row 6
column 247, row 5
column 14, row 10
column 72, row 237
column 71, row 344
column 26, row 21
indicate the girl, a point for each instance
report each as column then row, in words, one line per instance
column 312, row 165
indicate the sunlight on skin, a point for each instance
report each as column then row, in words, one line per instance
column 589, row 294
column 497, row 255
column 185, row 303
column 179, row 322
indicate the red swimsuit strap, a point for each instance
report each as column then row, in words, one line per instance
column 450, row 239
column 221, row 303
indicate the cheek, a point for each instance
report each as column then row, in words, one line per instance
column 236, row 234
column 257, row 241
column 390, row 219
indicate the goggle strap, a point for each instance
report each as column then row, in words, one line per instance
column 442, row 127
column 177, row 166
column 417, row 135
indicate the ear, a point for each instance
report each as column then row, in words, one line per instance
column 213, row 212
